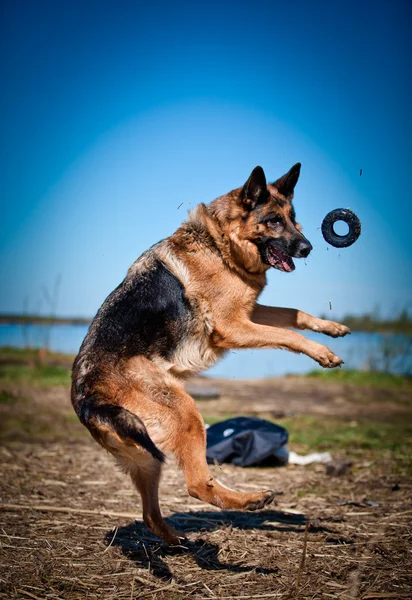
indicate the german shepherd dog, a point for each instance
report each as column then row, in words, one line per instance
column 182, row 305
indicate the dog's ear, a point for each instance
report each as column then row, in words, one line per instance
column 254, row 191
column 286, row 184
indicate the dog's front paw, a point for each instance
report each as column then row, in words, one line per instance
column 327, row 359
column 331, row 328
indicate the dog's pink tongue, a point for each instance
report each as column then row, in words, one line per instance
column 288, row 265
column 282, row 258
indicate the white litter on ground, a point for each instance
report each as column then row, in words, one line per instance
column 319, row 457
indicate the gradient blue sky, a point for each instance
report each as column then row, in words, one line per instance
column 115, row 113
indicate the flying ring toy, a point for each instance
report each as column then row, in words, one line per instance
column 329, row 233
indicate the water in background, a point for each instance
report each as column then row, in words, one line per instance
column 357, row 350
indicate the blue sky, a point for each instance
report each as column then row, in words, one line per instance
column 115, row 113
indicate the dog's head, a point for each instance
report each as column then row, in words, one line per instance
column 265, row 232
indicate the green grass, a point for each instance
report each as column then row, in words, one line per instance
column 363, row 378
column 323, row 433
column 37, row 375
column 355, row 439
column 32, row 355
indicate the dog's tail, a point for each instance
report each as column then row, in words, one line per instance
column 124, row 423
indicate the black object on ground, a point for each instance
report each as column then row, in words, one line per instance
column 329, row 233
column 247, row 442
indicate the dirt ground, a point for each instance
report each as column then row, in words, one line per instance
column 71, row 526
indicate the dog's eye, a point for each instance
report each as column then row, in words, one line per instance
column 275, row 220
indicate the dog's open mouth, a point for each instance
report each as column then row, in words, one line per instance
column 279, row 259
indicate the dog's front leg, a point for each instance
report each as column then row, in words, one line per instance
column 246, row 334
column 296, row 319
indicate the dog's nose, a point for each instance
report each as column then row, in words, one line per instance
column 303, row 249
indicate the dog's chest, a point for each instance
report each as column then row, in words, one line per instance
column 194, row 355
column 195, row 351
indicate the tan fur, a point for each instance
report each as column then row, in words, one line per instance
column 165, row 253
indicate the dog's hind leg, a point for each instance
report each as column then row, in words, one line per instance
column 146, row 479
column 122, row 433
column 145, row 471
column 175, row 425
column 187, row 441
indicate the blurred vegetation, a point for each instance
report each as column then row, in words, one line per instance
column 374, row 323
column 376, row 379
column 35, row 375
column 7, row 397
column 33, row 356
column 24, row 319
column 34, row 367
column 393, row 354
column 317, row 432
column 370, row 322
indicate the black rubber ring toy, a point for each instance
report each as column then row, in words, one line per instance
column 330, row 235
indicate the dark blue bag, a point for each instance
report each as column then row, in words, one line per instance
column 246, row 442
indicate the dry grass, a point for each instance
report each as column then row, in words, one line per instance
column 71, row 527
column 311, row 546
